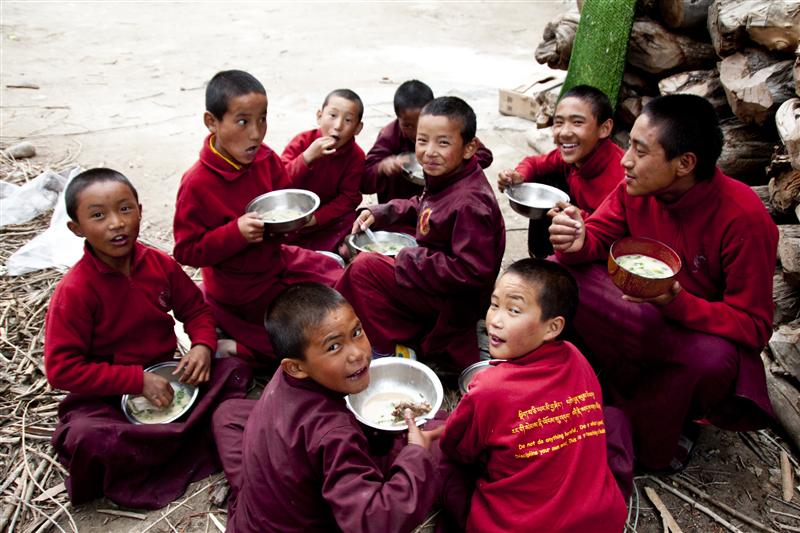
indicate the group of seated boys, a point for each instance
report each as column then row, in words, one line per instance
column 530, row 446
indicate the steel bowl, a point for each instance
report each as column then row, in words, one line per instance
column 358, row 242
column 469, row 374
column 306, row 202
column 390, row 375
column 412, row 170
column 336, row 257
column 534, row 200
column 164, row 370
column 634, row 284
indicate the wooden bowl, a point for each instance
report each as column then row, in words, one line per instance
column 637, row 285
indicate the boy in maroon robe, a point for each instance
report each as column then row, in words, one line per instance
column 430, row 296
column 242, row 268
column 304, row 464
column 107, row 321
column 383, row 171
column 534, row 421
column 692, row 352
column 328, row 161
column 585, row 163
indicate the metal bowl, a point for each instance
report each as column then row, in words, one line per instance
column 634, row 284
column 164, row 370
column 336, row 257
column 412, row 170
column 359, row 242
column 305, row 202
column 534, row 200
column 469, row 374
column 397, row 375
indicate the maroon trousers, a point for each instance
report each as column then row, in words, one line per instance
column 660, row 374
column 142, row 466
column 438, row 326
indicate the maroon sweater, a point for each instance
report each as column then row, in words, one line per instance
column 335, row 178
column 103, row 327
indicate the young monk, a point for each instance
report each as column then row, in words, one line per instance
column 303, row 464
column 328, row 161
column 384, row 163
column 431, row 296
column 534, row 420
column 692, row 352
column 107, row 321
column 242, row 268
column 585, row 163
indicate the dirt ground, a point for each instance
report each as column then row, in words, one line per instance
column 121, row 84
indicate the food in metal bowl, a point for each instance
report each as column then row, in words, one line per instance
column 139, row 410
column 386, row 242
column 412, row 170
column 534, row 200
column 281, row 215
column 284, row 210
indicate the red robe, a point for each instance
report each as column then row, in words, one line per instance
column 391, row 141
column 303, row 466
column 431, row 296
column 102, row 328
column 336, row 179
column 535, row 424
column 727, row 243
column 240, row 279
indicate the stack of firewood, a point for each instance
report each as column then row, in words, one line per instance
column 744, row 57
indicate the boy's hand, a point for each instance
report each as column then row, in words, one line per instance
column 507, row 178
column 251, row 226
column 660, row 300
column 312, row 222
column 392, row 165
column 416, row 436
column 365, row 219
column 157, row 390
column 196, row 365
column 318, row 148
column 567, row 230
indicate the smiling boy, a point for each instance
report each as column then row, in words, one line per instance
column 107, row 321
column 585, row 163
column 242, row 268
column 430, row 296
column 692, row 352
column 303, row 464
column 533, row 423
column 328, row 162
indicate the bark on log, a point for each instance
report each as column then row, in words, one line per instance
column 774, row 24
column 656, row 50
column 631, row 107
column 787, row 300
column 745, row 152
column 787, row 119
column 703, row 83
column 784, row 190
column 797, row 71
column 556, row 45
column 779, row 217
column 785, row 400
column 785, row 347
column 683, row 14
column 789, row 252
column 755, row 84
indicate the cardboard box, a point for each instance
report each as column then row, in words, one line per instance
column 526, row 101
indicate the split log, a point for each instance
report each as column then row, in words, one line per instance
column 558, row 36
column 631, row 107
column 787, row 300
column 787, row 119
column 774, row 24
column 745, row 152
column 785, row 400
column 636, row 83
column 784, row 190
column 785, row 347
column 797, row 71
column 684, row 14
column 656, row 50
column 763, row 194
column 703, row 83
column 755, row 84
column 789, row 252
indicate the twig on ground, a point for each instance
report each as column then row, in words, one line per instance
column 666, row 517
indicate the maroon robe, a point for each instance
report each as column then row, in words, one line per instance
column 304, row 465
column 698, row 356
column 431, row 296
column 240, row 279
column 335, row 178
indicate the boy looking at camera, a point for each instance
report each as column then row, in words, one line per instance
column 108, row 320
column 533, row 423
column 328, row 162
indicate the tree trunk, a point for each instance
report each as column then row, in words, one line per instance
column 656, row 50
column 745, row 152
column 703, row 83
column 787, row 119
column 774, row 24
column 785, row 400
column 755, row 84
column 556, row 45
column 683, row 14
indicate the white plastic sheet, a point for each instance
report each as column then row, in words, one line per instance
column 32, row 199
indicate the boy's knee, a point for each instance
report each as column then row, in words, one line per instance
column 715, row 359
